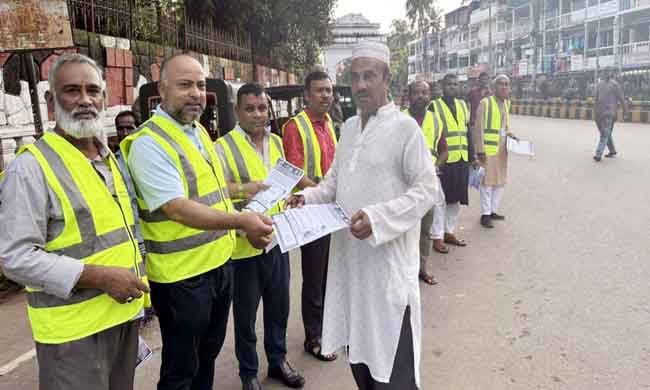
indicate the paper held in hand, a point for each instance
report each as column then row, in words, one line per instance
column 281, row 181
column 525, row 148
column 300, row 226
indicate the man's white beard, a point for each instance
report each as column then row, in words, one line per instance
column 79, row 128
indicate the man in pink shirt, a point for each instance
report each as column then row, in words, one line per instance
column 309, row 143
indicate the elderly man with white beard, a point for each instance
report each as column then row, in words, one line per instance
column 67, row 234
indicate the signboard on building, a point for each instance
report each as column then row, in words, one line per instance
column 34, row 24
column 576, row 63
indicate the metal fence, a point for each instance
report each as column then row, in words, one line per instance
column 157, row 22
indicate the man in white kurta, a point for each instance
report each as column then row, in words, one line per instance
column 383, row 177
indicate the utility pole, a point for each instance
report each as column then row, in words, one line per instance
column 491, row 69
column 512, row 40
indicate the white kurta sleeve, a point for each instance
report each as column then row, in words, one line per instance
column 392, row 218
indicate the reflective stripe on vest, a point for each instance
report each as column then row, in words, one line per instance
column 190, row 175
column 431, row 130
column 98, row 230
column 311, row 146
column 493, row 125
column 247, row 165
column 176, row 251
column 39, row 299
column 455, row 130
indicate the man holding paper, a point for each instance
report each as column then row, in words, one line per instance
column 383, row 177
column 491, row 131
column 310, row 143
column 249, row 152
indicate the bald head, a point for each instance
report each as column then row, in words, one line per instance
column 182, row 88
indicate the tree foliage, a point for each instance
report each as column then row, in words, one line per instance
column 423, row 16
column 291, row 32
column 398, row 38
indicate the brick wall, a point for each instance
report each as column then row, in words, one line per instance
column 127, row 65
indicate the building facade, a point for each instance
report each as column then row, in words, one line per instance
column 532, row 37
column 348, row 31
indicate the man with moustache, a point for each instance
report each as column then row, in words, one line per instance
column 67, row 234
column 249, row 152
column 432, row 129
column 476, row 94
column 309, row 143
column 454, row 173
column 383, row 178
column 188, row 223
column 491, row 132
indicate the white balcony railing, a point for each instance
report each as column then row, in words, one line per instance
column 634, row 4
column 636, row 53
column 606, row 9
column 553, row 22
column 481, row 15
column 572, row 18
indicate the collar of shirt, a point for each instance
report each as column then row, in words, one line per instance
column 266, row 153
column 313, row 118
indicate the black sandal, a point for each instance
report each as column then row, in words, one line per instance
column 314, row 349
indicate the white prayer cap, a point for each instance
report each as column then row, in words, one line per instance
column 502, row 76
column 371, row 49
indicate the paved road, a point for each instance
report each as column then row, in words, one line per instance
column 554, row 298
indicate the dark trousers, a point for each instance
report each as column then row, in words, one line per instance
column 193, row 315
column 315, row 257
column 403, row 374
column 103, row 361
column 264, row 277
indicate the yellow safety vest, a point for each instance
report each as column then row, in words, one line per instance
column 455, row 129
column 176, row 251
column 98, row 229
column 431, row 131
column 493, row 125
column 246, row 166
column 310, row 144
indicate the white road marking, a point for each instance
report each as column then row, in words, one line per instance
column 9, row 367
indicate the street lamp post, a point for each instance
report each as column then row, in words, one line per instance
column 491, row 69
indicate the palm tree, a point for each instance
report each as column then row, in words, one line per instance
column 423, row 17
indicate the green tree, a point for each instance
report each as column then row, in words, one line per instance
column 398, row 38
column 288, row 32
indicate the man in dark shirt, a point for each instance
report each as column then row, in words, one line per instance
column 477, row 94
column 608, row 95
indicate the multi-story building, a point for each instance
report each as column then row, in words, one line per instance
column 529, row 37
column 347, row 32
column 425, row 59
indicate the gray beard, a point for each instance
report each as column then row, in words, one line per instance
column 78, row 128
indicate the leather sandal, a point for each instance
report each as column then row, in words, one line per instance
column 428, row 279
column 453, row 240
column 313, row 348
column 439, row 246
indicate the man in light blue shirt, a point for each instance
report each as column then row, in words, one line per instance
column 193, row 312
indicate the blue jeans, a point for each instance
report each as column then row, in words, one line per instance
column 606, row 128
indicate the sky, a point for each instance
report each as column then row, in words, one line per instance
column 384, row 11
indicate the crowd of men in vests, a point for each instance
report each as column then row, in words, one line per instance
column 79, row 221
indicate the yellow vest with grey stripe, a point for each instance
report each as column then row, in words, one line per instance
column 310, row 144
column 493, row 124
column 176, row 251
column 97, row 229
column 431, row 128
column 246, row 166
column 455, row 129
